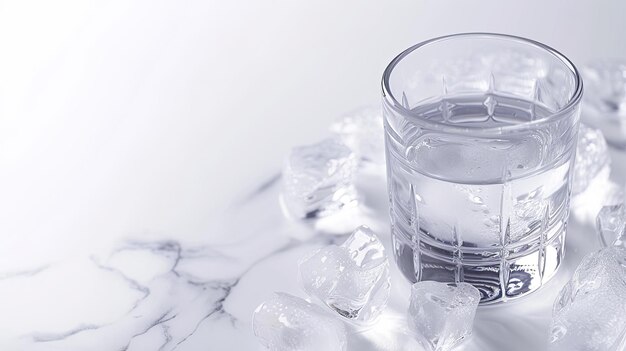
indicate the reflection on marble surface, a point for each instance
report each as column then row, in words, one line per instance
column 190, row 293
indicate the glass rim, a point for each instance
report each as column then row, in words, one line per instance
column 572, row 103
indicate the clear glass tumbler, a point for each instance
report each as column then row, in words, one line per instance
column 480, row 135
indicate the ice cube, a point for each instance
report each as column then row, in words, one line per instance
column 601, row 192
column 590, row 311
column 286, row 323
column 351, row 279
column 592, row 158
column 441, row 314
column 611, row 223
column 362, row 130
column 318, row 179
column 605, row 98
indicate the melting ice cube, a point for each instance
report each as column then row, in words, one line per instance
column 441, row 314
column 318, row 179
column 362, row 130
column 351, row 279
column 611, row 222
column 591, row 186
column 590, row 312
column 605, row 98
column 286, row 323
column 592, row 158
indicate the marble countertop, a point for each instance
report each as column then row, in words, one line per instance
column 198, row 293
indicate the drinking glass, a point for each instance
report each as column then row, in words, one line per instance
column 480, row 137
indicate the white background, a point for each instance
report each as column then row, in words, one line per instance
column 148, row 118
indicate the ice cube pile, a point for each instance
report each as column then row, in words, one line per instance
column 590, row 312
column 441, row 314
column 352, row 282
column 287, row 323
column 351, row 279
column 362, row 131
column 605, row 98
column 318, row 179
column 592, row 158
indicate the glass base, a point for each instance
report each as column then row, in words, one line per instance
column 523, row 270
